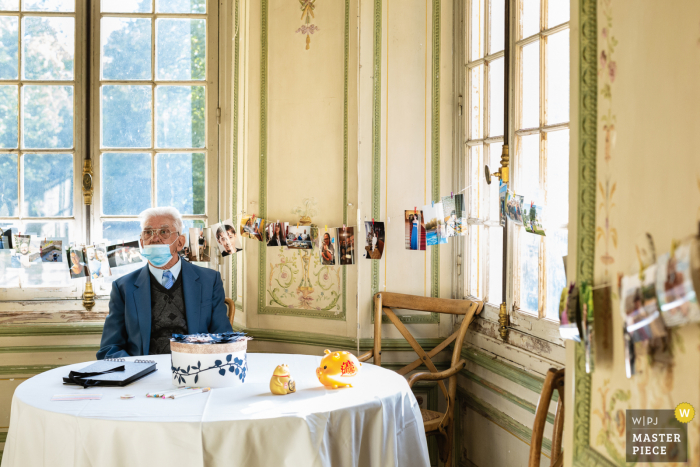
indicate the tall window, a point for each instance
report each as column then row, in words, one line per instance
column 155, row 100
column 38, row 158
column 539, row 122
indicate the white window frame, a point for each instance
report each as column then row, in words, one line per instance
column 78, row 150
column 212, row 112
column 527, row 322
column 218, row 61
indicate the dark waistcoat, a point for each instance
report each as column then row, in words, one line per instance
column 167, row 315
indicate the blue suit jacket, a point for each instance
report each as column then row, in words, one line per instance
column 127, row 329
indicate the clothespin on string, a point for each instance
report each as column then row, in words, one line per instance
column 452, row 194
column 326, row 227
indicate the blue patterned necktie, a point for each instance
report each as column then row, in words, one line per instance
column 168, row 279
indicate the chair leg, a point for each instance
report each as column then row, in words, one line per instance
column 445, row 446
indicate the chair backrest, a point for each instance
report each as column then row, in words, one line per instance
column 230, row 309
column 553, row 381
column 384, row 302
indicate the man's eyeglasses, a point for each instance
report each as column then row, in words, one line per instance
column 163, row 234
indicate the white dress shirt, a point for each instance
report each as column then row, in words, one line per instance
column 158, row 273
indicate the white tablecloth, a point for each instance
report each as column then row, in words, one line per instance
column 375, row 423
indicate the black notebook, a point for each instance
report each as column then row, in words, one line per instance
column 111, row 372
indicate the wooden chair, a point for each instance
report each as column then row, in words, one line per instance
column 553, row 380
column 230, row 309
column 435, row 423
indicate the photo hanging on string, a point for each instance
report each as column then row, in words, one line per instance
column 374, row 239
column 346, row 245
column 415, row 230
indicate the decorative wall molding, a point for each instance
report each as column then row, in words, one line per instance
column 427, row 318
column 51, row 330
column 263, row 308
column 501, row 419
column 49, row 348
column 584, row 454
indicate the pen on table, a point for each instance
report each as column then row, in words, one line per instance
column 162, row 394
column 188, row 393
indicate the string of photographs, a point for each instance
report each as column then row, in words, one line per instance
column 661, row 296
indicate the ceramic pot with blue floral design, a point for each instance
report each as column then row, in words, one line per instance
column 208, row 360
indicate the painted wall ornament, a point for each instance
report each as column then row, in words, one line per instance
column 307, row 12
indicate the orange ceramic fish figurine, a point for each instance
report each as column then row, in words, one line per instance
column 337, row 369
column 281, row 382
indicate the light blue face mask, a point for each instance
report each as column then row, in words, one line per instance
column 158, row 255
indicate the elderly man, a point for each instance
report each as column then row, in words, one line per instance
column 168, row 296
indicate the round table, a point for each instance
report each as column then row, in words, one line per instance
column 375, row 423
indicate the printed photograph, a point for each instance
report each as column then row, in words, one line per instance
column 435, row 233
column 25, row 253
column 124, row 254
column 449, row 209
column 299, row 238
column 76, row 263
column 276, row 233
column 533, row 219
column 226, row 237
column 327, row 250
column 252, row 227
column 639, row 306
column 461, row 212
column 200, row 244
column 502, row 195
column 674, row 284
column 314, row 236
column 415, row 230
column 97, row 261
column 374, row 240
column 346, row 245
column 51, row 251
column 514, row 207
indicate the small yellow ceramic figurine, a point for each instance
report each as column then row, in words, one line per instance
column 281, row 382
column 336, row 368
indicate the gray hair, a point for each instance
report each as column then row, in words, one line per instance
column 168, row 211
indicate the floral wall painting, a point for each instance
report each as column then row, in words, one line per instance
column 612, row 417
column 307, row 13
column 297, row 279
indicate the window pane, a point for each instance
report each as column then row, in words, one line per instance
column 48, row 46
column 477, row 102
column 49, row 5
column 180, row 116
column 475, row 274
column 530, row 17
column 48, row 229
column 558, row 77
column 126, row 6
column 494, row 163
column 47, row 121
column 9, row 106
column 9, row 46
column 9, row 5
column 557, row 247
column 529, row 165
column 496, row 97
column 126, row 48
column 8, row 185
column 531, row 85
column 126, row 183
column 181, row 6
column 557, row 208
column 558, row 12
column 476, row 167
column 529, row 271
column 181, row 49
column 126, row 116
column 495, row 264
column 180, row 182
column 477, row 29
column 47, row 185
column 120, row 230
column 496, row 25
